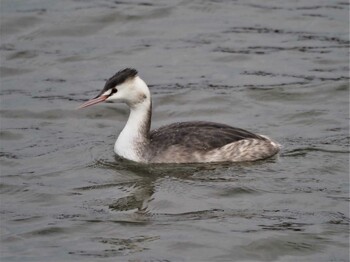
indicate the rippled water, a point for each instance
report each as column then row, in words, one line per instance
column 279, row 68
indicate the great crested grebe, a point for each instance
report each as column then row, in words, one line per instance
column 185, row 142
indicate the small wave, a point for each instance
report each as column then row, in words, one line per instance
column 304, row 151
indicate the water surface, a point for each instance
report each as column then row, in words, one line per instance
column 274, row 67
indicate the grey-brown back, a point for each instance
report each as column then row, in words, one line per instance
column 196, row 136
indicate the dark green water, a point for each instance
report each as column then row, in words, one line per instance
column 274, row 67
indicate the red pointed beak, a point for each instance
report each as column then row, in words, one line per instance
column 93, row 101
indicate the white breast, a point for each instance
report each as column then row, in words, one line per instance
column 125, row 147
column 131, row 140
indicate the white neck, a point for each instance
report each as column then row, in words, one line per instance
column 134, row 137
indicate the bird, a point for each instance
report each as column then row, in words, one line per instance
column 180, row 142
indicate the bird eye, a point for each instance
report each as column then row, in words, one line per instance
column 114, row 90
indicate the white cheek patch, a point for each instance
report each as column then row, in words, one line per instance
column 107, row 93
